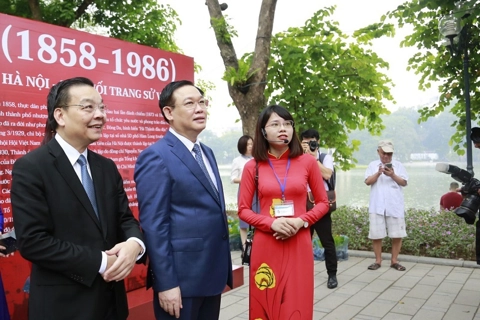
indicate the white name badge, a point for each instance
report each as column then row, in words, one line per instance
column 284, row 209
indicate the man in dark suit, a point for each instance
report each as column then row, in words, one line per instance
column 79, row 234
column 182, row 212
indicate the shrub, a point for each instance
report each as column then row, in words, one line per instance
column 430, row 233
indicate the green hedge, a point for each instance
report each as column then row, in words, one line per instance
column 430, row 233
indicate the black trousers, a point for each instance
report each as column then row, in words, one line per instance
column 323, row 227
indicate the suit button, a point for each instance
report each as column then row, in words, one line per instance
column 225, row 237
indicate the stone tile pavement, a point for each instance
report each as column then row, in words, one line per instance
column 430, row 289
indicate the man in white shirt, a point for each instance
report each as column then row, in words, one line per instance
column 387, row 178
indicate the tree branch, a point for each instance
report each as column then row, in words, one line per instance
column 261, row 56
column 227, row 51
column 35, row 8
column 82, row 8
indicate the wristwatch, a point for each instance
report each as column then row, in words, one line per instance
column 305, row 224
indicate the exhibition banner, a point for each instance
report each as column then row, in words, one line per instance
column 33, row 57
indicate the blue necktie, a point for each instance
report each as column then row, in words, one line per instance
column 199, row 158
column 88, row 182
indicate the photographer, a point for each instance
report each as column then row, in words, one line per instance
column 475, row 137
column 324, row 225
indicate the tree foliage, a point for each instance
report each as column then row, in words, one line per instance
column 141, row 21
column 328, row 82
column 401, row 127
column 434, row 63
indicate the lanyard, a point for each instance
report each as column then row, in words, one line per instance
column 284, row 184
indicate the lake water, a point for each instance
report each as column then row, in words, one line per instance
column 424, row 189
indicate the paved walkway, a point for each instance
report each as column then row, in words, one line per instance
column 429, row 289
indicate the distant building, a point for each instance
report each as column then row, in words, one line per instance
column 424, row 156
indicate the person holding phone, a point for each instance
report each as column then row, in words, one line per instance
column 386, row 177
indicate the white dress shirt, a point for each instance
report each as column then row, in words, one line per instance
column 386, row 196
column 73, row 155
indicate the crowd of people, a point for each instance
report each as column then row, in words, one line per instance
column 74, row 225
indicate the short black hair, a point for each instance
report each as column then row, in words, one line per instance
column 58, row 97
column 454, row 185
column 475, row 135
column 260, row 144
column 166, row 97
column 310, row 133
column 242, row 144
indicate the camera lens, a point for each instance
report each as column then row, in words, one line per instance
column 313, row 145
column 468, row 208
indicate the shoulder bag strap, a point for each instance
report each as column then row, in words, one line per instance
column 256, row 190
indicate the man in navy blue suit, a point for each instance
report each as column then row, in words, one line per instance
column 182, row 212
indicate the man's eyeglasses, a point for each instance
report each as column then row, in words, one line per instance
column 89, row 108
column 276, row 125
column 190, row 105
column 383, row 153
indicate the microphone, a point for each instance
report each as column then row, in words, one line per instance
column 265, row 136
column 284, row 140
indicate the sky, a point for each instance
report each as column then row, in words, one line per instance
column 197, row 40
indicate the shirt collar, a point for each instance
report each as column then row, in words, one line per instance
column 189, row 144
column 71, row 152
column 286, row 152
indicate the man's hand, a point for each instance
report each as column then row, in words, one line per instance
column 3, row 255
column 388, row 171
column 3, row 248
column 381, row 169
column 126, row 253
column 171, row 301
column 306, row 149
column 110, row 261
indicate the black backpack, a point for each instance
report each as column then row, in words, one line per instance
column 333, row 178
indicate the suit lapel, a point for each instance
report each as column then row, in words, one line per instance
column 216, row 173
column 66, row 170
column 184, row 155
column 211, row 158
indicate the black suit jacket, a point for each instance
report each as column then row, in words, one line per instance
column 58, row 231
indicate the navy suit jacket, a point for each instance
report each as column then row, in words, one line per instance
column 184, row 224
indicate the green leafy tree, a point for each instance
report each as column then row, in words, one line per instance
column 433, row 62
column 141, row 21
column 328, row 82
column 409, row 137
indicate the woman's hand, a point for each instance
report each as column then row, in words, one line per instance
column 286, row 227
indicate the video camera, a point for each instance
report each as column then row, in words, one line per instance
column 471, row 201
